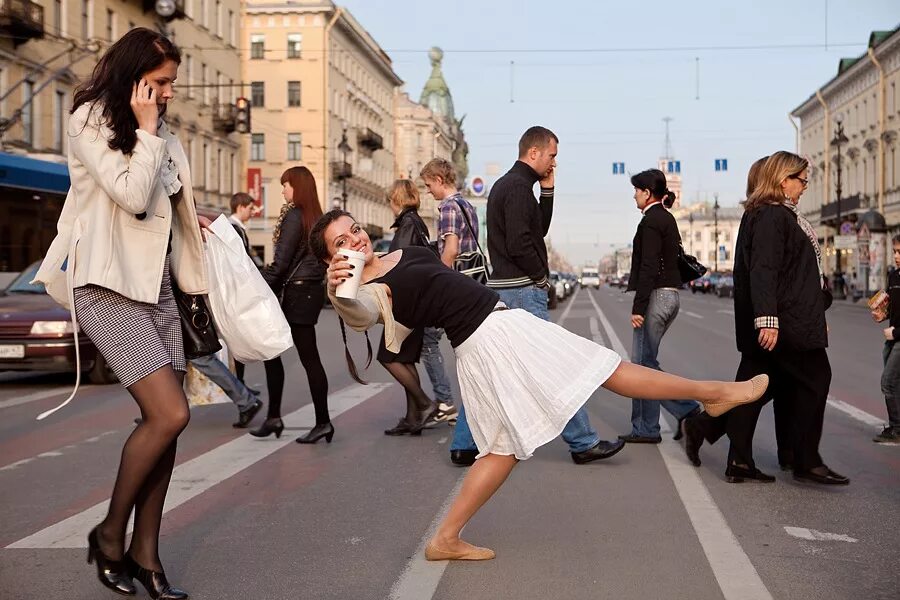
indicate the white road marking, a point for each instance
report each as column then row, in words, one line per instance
column 692, row 314
column 49, row 454
column 443, row 440
column 818, row 536
column 200, row 474
column 726, row 311
column 565, row 314
column 52, row 453
column 33, row 397
column 420, row 577
column 18, row 463
column 617, row 345
column 856, row 413
column 736, row 575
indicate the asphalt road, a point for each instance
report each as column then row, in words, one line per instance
column 268, row 519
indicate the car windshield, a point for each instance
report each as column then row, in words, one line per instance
column 22, row 285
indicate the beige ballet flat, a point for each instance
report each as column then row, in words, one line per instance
column 475, row 553
column 760, row 383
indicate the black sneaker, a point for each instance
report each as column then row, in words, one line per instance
column 890, row 436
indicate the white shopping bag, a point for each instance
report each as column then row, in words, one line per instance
column 247, row 313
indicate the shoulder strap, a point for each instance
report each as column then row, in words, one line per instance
column 469, row 224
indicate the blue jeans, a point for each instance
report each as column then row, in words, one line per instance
column 434, row 365
column 219, row 374
column 661, row 313
column 578, row 433
column 890, row 383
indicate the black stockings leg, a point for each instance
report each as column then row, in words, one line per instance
column 239, row 370
column 146, row 467
column 408, row 376
column 305, row 342
column 275, row 385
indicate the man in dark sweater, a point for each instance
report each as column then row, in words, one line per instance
column 516, row 226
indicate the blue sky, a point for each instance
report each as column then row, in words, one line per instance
column 607, row 105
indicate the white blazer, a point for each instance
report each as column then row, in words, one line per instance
column 101, row 241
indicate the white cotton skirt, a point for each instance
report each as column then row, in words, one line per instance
column 523, row 378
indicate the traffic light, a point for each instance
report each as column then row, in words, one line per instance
column 242, row 115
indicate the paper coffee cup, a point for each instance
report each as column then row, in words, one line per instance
column 350, row 286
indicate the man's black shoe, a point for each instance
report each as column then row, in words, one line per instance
column 822, row 475
column 678, row 430
column 736, row 474
column 693, row 439
column 246, row 416
column 463, row 458
column 602, row 450
column 640, row 439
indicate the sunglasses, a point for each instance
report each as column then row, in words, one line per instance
column 805, row 182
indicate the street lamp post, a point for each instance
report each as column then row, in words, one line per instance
column 691, row 222
column 716, row 234
column 838, row 284
column 344, row 147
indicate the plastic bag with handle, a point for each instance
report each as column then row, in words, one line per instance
column 247, row 313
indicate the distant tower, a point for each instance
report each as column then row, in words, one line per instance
column 436, row 96
column 671, row 166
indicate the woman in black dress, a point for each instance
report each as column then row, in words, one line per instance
column 299, row 277
column 410, row 230
column 521, row 378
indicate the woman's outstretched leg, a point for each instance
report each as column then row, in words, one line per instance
column 632, row 380
column 483, row 479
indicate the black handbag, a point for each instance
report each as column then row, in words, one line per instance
column 197, row 328
column 474, row 263
column 689, row 267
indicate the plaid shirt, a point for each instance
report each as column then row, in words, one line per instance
column 452, row 222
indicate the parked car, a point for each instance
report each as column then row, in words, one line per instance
column 559, row 285
column 725, row 287
column 36, row 333
column 702, row 284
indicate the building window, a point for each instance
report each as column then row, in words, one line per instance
column 231, row 90
column 257, row 46
column 294, row 43
column 59, row 120
column 218, row 14
column 28, row 113
column 258, row 93
column 110, row 19
column 294, row 145
column 231, row 27
column 86, row 19
column 293, row 93
column 698, row 236
column 204, row 91
column 207, row 168
column 233, row 173
column 220, row 187
column 189, row 64
column 204, row 9
column 57, row 16
column 258, row 146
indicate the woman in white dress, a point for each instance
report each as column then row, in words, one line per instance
column 521, row 378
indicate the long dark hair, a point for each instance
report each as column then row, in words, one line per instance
column 320, row 251
column 654, row 181
column 137, row 52
column 305, row 197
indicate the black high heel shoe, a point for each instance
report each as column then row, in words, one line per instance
column 317, row 433
column 155, row 582
column 111, row 573
column 423, row 418
column 269, row 426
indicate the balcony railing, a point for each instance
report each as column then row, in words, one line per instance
column 371, row 140
column 341, row 170
column 224, row 117
column 22, row 20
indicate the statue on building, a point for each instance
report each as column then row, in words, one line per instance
column 436, row 96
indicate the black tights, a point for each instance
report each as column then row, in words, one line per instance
column 148, row 458
column 407, row 375
column 305, row 342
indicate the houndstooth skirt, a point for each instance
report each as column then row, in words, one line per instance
column 523, row 378
column 135, row 338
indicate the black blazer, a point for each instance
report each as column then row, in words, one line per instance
column 293, row 260
column 411, row 230
column 776, row 274
column 654, row 256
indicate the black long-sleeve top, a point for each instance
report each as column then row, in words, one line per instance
column 894, row 306
column 293, row 261
column 654, row 258
column 516, row 227
column 411, row 230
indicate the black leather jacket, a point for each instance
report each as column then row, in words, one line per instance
column 293, row 260
column 411, row 230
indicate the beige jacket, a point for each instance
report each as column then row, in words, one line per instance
column 98, row 226
column 372, row 305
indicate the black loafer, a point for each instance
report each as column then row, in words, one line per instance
column 640, row 439
column 821, row 475
column 600, row 451
column 693, row 439
column 403, row 428
column 246, row 416
column 736, row 474
column 463, row 458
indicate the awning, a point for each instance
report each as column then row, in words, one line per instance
column 32, row 174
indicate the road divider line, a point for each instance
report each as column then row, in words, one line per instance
column 855, row 413
column 692, row 314
column 735, row 574
column 196, row 476
column 421, row 577
column 818, row 536
column 33, row 397
column 617, row 346
column 565, row 314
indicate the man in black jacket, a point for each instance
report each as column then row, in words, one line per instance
column 516, row 226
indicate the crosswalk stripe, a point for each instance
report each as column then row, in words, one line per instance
column 200, row 474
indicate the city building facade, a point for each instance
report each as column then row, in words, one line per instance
column 48, row 47
column 322, row 95
column 709, row 234
column 862, row 101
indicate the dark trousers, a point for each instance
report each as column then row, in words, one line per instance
column 799, row 383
